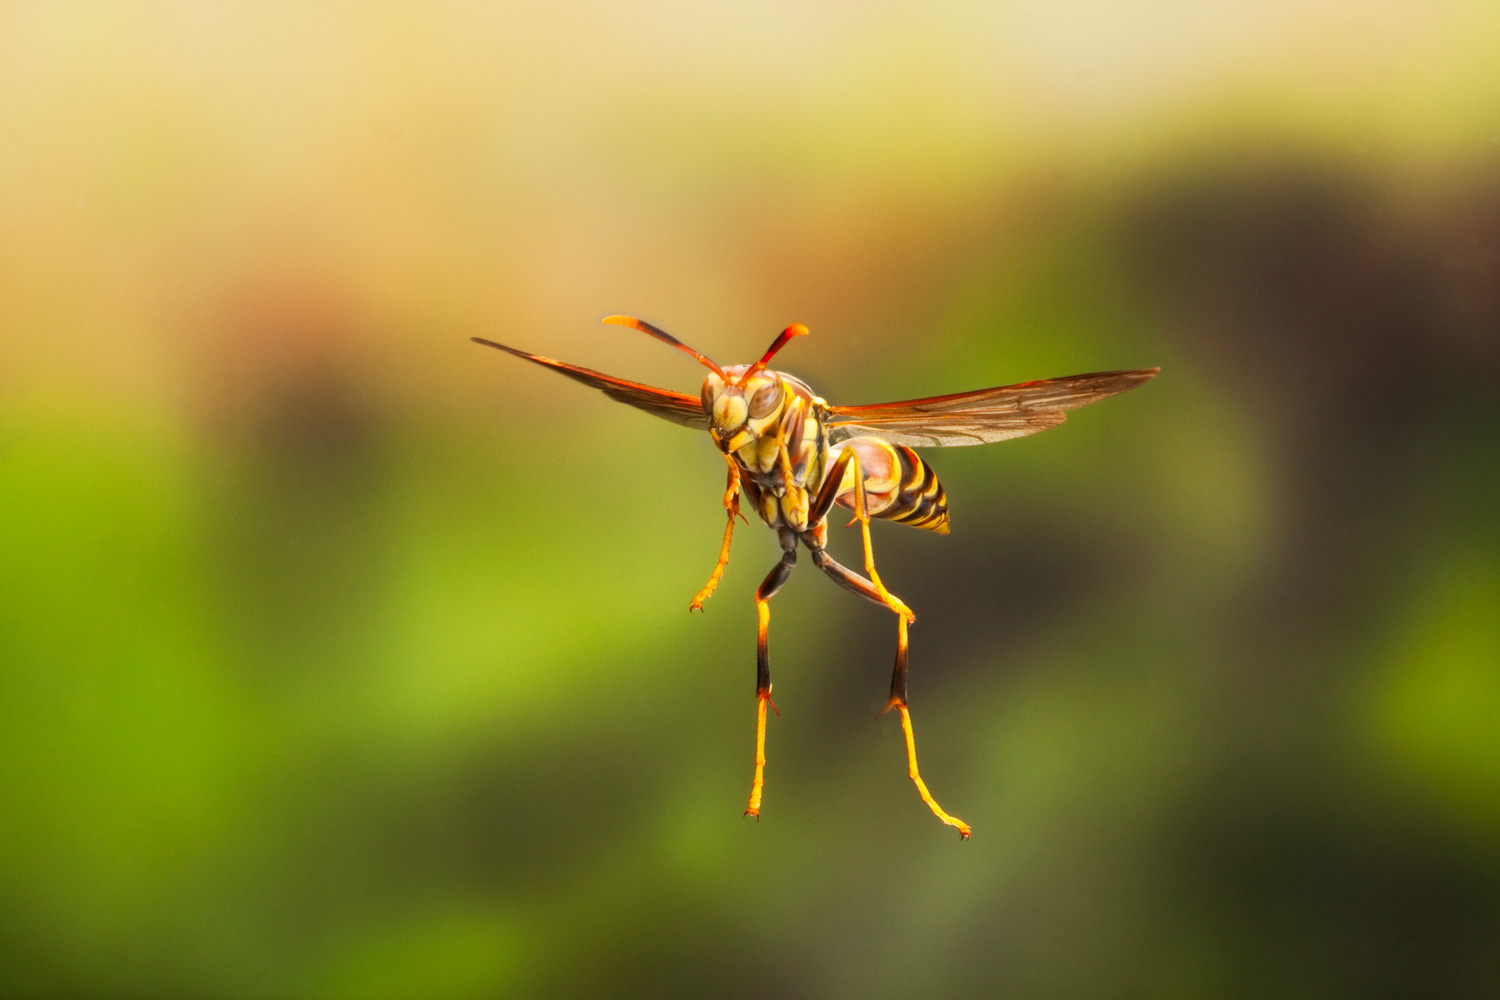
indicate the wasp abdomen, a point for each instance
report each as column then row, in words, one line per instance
column 899, row 486
column 921, row 501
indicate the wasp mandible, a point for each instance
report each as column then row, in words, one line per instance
column 794, row 456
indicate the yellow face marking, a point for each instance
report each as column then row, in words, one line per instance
column 739, row 414
column 729, row 411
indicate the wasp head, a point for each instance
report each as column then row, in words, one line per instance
column 741, row 402
column 741, row 410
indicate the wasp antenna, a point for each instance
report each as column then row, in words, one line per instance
column 795, row 330
column 666, row 338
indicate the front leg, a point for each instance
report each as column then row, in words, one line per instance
column 732, row 507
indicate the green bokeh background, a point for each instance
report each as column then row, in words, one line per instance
column 342, row 658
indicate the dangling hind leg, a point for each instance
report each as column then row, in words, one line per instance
column 853, row 582
column 873, row 590
column 898, row 701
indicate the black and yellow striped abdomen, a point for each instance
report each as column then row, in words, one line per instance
column 899, row 486
column 921, row 501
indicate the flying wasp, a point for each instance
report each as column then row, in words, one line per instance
column 794, row 456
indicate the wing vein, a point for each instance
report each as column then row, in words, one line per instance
column 678, row 407
column 983, row 415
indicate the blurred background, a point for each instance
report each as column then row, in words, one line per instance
column 340, row 657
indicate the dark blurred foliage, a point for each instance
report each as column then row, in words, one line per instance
column 1364, row 335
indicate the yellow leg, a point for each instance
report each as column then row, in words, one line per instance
column 713, row 578
column 769, row 586
column 732, row 506
column 891, row 600
column 911, row 767
column 862, row 515
column 898, row 701
column 756, row 786
column 875, row 590
column 762, row 695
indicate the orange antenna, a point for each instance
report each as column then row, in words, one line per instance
column 666, row 338
column 795, row 330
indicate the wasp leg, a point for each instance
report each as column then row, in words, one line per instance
column 831, row 491
column 773, row 582
column 732, row 506
column 856, row 584
column 873, row 590
column 846, row 577
column 898, row 701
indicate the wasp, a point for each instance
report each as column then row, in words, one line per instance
column 793, row 456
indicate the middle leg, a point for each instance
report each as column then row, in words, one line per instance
column 773, row 582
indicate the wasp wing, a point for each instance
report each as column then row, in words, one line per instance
column 678, row 407
column 982, row 416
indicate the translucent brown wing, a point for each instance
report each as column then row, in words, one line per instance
column 985, row 415
column 678, row 407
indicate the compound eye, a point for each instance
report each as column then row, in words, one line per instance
column 764, row 402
